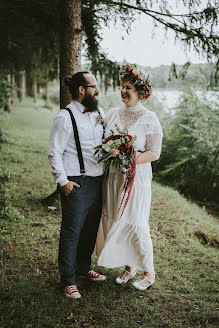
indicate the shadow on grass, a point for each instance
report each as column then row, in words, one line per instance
column 32, row 297
column 36, row 300
column 37, row 202
column 207, row 240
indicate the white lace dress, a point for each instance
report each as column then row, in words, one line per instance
column 127, row 239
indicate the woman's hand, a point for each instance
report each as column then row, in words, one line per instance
column 67, row 188
column 145, row 157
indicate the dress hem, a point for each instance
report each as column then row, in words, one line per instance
column 112, row 266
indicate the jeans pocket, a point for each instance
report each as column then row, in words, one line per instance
column 73, row 191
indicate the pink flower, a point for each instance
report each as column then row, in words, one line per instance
column 115, row 152
column 110, row 142
column 129, row 144
column 136, row 71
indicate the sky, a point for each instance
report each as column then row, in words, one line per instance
column 139, row 47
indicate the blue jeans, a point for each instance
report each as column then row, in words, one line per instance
column 81, row 212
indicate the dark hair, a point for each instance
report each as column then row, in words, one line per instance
column 74, row 82
column 139, row 88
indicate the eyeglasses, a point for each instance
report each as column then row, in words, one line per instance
column 92, row 86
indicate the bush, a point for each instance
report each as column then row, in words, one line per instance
column 189, row 159
column 3, row 137
column 48, row 106
column 5, row 90
column 55, row 98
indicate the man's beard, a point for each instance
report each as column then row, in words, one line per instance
column 89, row 102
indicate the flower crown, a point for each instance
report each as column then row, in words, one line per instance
column 141, row 83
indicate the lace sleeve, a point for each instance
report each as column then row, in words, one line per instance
column 154, row 137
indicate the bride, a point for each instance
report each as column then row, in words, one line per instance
column 127, row 237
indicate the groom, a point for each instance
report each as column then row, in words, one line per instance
column 76, row 130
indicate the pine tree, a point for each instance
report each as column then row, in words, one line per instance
column 39, row 34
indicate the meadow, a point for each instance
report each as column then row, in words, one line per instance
column 185, row 239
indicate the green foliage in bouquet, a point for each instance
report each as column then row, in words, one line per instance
column 117, row 150
column 189, row 159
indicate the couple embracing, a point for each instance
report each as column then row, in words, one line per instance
column 86, row 194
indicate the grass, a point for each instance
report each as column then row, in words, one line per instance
column 184, row 237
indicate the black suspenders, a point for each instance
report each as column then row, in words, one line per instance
column 77, row 141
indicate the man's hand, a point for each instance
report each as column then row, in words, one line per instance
column 69, row 187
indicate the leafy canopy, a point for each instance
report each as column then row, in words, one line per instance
column 30, row 31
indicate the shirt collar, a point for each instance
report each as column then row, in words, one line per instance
column 77, row 105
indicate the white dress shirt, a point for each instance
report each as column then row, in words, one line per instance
column 63, row 155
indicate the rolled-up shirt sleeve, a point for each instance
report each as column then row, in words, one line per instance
column 154, row 138
column 59, row 137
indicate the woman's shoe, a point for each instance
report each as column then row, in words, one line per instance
column 137, row 284
column 120, row 281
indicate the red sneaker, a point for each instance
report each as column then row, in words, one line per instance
column 72, row 291
column 94, row 276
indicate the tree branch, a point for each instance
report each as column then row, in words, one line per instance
column 180, row 27
column 146, row 10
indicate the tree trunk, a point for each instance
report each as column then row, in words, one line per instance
column 23, row 85
column 47, row 92
column 18, row 84
column 70, row 55
column 29, row 84
column 34, row 90
column 7, row 107
column 38, row 88
column 13, row 90
column 70, row 47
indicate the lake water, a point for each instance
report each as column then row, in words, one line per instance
column 170, row 98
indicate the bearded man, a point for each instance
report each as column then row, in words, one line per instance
column 76, row 130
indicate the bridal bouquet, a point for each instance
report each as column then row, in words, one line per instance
column 118, row 150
